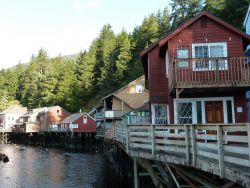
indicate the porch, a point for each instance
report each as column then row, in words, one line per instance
column 226, row 72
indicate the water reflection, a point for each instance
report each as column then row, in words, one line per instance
column 41, row 167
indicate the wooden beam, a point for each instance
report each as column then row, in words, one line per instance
column 193, row 143
column 187, row 144
column 135, row 174
column 178, row 92
column 220, row 152
column 248, row 133
column 153, row 140
column 182, row 175
column 173, row 176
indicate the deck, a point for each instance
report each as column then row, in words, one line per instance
column 209, row 73
column 223, row 150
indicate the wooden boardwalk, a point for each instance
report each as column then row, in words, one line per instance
column 223, row 150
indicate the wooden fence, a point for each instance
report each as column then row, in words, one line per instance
column 225, row 145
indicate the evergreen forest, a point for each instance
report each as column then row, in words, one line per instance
column 111, row 61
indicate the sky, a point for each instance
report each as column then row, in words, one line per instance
column 63, row 27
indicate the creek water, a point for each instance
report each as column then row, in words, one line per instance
column 47, row 167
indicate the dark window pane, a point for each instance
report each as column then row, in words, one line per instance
column 199, row 113
column 229, row 112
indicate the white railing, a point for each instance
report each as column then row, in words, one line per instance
column 225, row 144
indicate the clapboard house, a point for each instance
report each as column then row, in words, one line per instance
column 79, row 122
column 29, row 122
column 197, row 74
column 114, row 106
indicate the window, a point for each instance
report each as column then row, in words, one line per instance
column 182, row 54
column 159, row 114
column 229, row 112
column 199, row 112
column 185, row 113
column 209, row 50
column 138, row 88
column 85, row 119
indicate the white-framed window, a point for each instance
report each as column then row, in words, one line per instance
column 183, row 54
column 159, row 114
column 209, row 50
column 138, row 88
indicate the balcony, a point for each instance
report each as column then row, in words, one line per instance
column 113, row 114
column 209, row 73
column 99, row 116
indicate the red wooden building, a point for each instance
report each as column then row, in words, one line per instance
column 51, row 116
column 199, row 66
column 80, row 123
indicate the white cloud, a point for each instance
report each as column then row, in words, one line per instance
column 18, row 44
column 79, row 4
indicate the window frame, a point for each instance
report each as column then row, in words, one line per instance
column 153, row 118
column 210, row 62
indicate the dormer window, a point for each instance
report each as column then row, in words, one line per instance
column 138, row 88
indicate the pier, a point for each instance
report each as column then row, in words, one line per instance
column 180, row 150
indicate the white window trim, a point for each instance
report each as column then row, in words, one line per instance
column 203, row 100
column 167, row 64
column 153, row 114
column 225, row 54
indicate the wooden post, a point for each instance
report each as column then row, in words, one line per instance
column 187, row 144
column 220, row 152
column 153, row 139
column 178, row 92
column 193, row 137
column 135, row 174
column 127, row 139
column 248, row 134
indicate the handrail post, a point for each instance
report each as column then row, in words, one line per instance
column 127, row 139
column 248, row 134
column 153, row 139
column 187, row 144
column 193, row 137
column 220, row 151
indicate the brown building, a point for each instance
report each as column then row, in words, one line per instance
column 52, row 116
column 115, row 105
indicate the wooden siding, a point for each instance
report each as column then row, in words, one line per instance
column 117, row 105
column 89, row 127
column 52, row 117
column 130, row 97
column 158, row 83
column 214, row 32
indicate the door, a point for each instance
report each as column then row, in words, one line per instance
column 214, row 112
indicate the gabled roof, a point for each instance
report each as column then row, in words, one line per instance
column 247, row 16
column 133, row 100
column 166, row 38
column 117, row 91
column 15, row 109
column 73, row 117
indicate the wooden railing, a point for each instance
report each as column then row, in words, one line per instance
column 113, row 113
column 209, row 72
column 226, row 146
